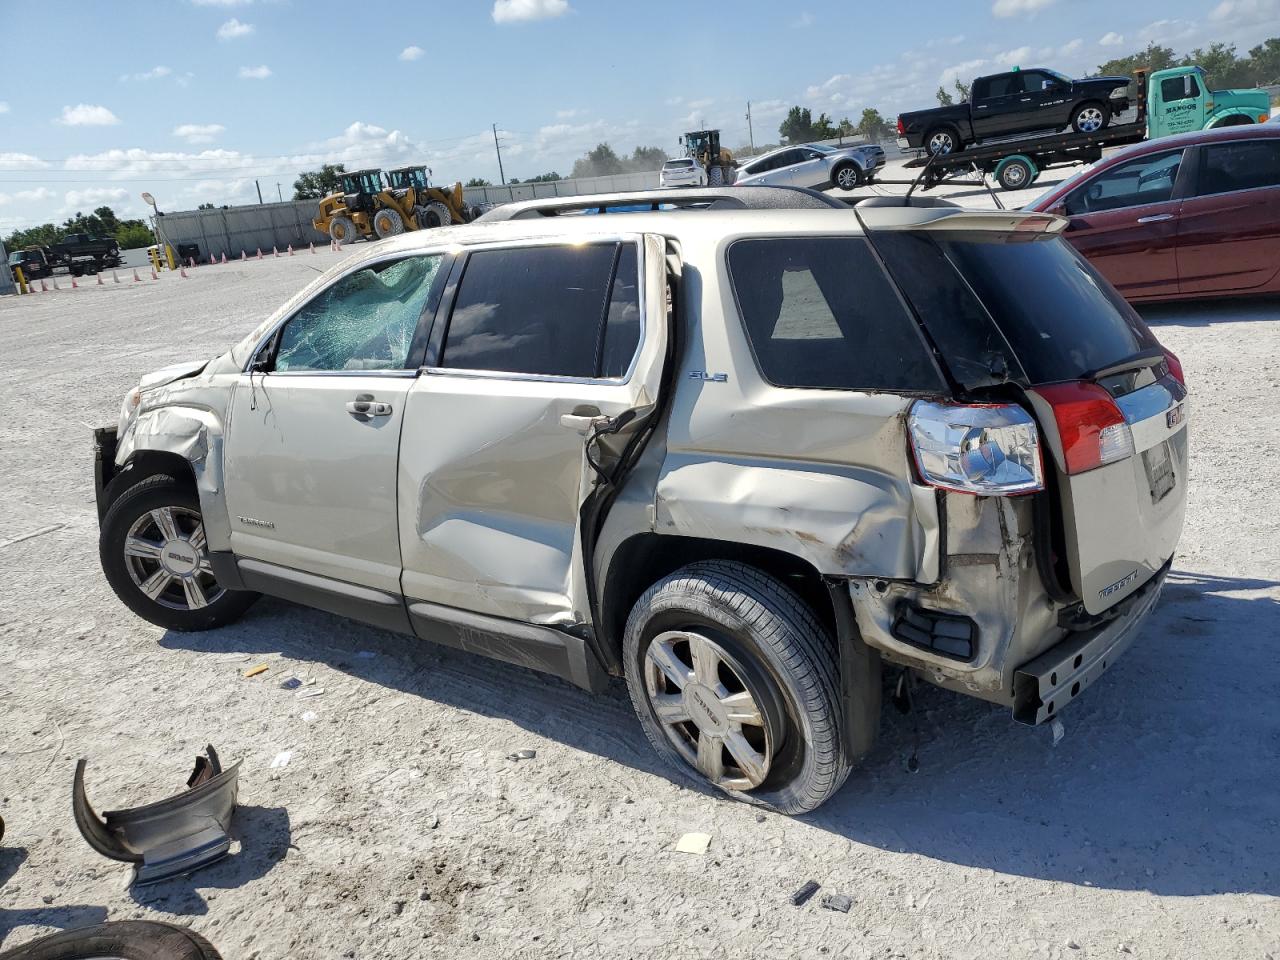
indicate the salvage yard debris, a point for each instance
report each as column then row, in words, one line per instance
column 169, row 837
column 837, row 901
column 801, row 896
column 693, row 843
column 254, row 671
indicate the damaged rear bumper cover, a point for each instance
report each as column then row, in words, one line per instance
column 169, row 837
column 1045, row 685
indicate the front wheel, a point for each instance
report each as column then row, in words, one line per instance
column 388, row 223
column 154, row 553
column 124, row 939
column 848, row 177
column 342, row 230
column 1090, row 118
column 736, row 682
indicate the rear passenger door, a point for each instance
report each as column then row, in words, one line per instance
column 545, row 344
column 1229, row 228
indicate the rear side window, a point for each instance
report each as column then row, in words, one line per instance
column 820, row 312
column 1239, row 165
column 543, row 310
column 1062, row 319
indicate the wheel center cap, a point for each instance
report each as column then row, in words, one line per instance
column 705, row 709
column 179, row 558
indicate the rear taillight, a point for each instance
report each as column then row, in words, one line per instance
column 989, row 450
column 1175, row 367
column 902, row 128
column 1092, row 428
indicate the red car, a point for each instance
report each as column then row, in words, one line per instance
column 1193, row 215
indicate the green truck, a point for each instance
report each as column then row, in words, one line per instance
column 1170, row 101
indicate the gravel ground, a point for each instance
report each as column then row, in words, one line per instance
column 401, row 829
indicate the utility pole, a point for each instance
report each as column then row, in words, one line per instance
column 750, row 133
column 259, row 186
column 501, row 176
column 278, row 193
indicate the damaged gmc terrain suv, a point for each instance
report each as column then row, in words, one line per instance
column 741, row 447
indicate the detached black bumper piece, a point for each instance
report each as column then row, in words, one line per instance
column 169, row 837
column 104, row 465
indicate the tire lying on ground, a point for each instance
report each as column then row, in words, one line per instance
column 434, row 214
column 388, row 223
column 123, row 940
column 342, row 230
column 735, row 681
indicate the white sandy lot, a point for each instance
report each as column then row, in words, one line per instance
column 399, row 829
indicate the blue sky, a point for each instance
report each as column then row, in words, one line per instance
column 194, row 99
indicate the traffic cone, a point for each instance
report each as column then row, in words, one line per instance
column 99, row 279
column 242, row 257
column 224, row 257
column 43, row 288
column 275, row 251
column 291, row 249
column 74, row 285
column 115, row 277
column 259, row 253
column 312, row 246
column 182, row 272
column 153, row 274
column 55, row 284
column 191, row 262
column 136, row 278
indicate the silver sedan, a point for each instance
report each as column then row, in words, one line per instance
column 814, row 165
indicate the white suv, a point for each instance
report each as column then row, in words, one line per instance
column 683, row 172
column 744, row 451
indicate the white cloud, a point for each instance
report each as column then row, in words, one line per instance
column 87, row 115
column 155, row 73
column 567, row 114
column 1111, row 39
column 1013, row 58
column 198, row 132
column 1246, row 11
column 675, row 101
column 255, row 73
column 1070, row 47
column 962, row 71
column 512, row 11
column 951, row 41
column 1014, row 8
column 20, row 161
column 4, row 107
column 412, row 53
column 37, row 195
column 234, row 28
column 701, row 104
column 91, row 197
column 805, row 19
column 1168, row 31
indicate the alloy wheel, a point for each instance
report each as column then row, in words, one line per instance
column 168, row 559
column 707, row 709
column 847, row 178
column 1090, row 119
column 941, row 142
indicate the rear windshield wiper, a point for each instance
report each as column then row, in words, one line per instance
column 1144, row 358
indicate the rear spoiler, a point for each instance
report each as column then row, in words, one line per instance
column 875, row 216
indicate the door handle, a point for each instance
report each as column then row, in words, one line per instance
column 1157, row 218
column 365, row 406
column 583, row 419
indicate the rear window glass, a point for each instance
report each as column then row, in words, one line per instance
column 820, row 312
column 1239, row 165
column 1062, row 319
column 672, row 164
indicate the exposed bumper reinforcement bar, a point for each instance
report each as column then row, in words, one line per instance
column 1043, row 686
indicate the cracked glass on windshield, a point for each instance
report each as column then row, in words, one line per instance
column 365, row 321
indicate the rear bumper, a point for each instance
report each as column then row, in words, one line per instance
column 1043, row 686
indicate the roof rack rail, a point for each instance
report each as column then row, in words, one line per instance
column 752, row 197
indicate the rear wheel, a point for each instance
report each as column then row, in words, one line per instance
column 715, row 176
column 1015, row 174
column 735, row 681
column 942, row 140
column 342, row 230
column 154, row 553
column 388, row 223
column 1090, row 118
column 434, row 214
column 123, row 940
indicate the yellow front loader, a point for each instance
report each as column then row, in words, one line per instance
column 367, row 208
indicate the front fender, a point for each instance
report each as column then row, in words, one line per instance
column 1220, row 117
column 194, row 433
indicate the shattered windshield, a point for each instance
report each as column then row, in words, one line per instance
column 365, row 321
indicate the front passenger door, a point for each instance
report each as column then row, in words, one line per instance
column 314, row 434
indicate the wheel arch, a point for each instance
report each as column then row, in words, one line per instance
column 645, row 558
column 1232, row 117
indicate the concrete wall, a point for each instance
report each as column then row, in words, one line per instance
column 6, row 276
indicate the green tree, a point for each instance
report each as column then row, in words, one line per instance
column 1264, row 62
column 646, row 158
column 846, row 128
column 478, row 182
column 206, row 206
column 944, row 98
column 872, row 125
column 601, row 161
column 798, row 126
column 545, row 178
column 823, row 129
column 1223, row 69
column 962, row 90
column 133, row 234
column 316, row 184
column 1154, row 58
column 110, row 223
